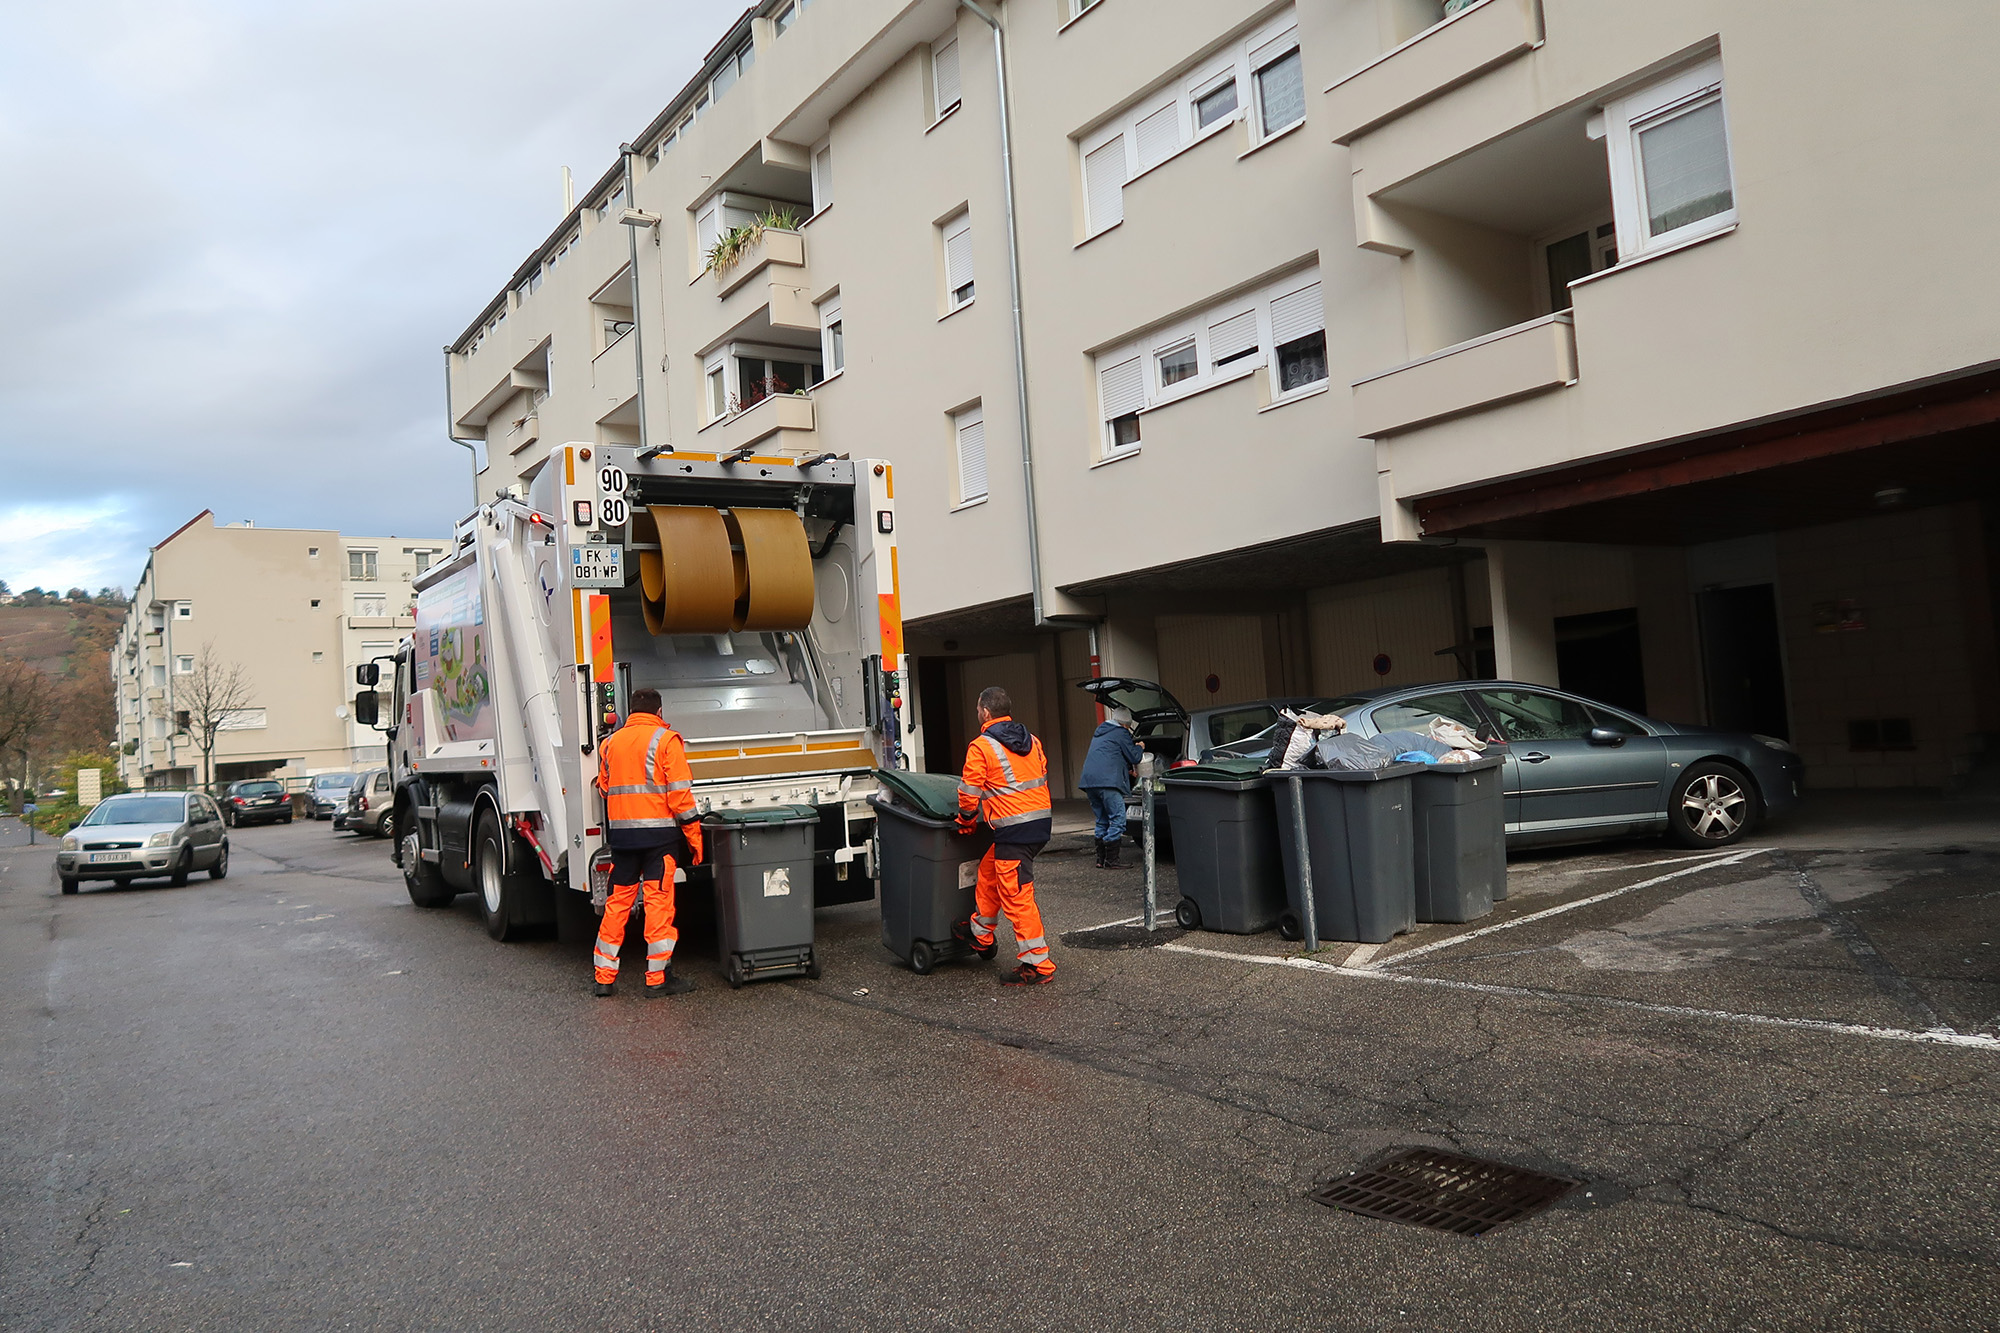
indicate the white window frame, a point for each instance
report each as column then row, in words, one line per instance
column 1076, row 9
column 716, row 407
column 1256, row 61
column 782, row 21
column 946, row 96
column 1280, row 291
column 949, row 231
column 380, row 600
column 832, row 338
column 370, row 562
column 183, row 610
column 1176, row 102
column 183, row 664
column 1629, row 117
column 822, row 178
column 962, row 422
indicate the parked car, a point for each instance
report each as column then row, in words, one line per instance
column 1578, row 770
column 145, row 833
column 369, row 804
column 327, row 796
column 256, row 801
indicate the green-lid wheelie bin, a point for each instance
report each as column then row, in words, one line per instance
column 925, row 867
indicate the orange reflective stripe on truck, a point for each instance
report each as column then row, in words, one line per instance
column 892, row 614
column 601, row 665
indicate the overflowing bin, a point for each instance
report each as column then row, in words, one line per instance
column 1225, row 824
column 1358, row 833
column 762, row 859
column 1461, row 839
column 925, row 867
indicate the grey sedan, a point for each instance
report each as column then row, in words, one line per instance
column 1578, row 770
column 137, row 834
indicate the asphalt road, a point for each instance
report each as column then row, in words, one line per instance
column 291, row 1100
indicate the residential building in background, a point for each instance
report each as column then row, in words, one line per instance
column 297, row 609
column 1580, row 342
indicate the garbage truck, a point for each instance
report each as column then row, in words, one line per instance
column 758, row 594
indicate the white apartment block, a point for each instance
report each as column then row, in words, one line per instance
column 298, row 609
column 1612, row 344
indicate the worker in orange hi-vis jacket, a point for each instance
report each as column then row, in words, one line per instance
column 652, row 827
column 1006, row 783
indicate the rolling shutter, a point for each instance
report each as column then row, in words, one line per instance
column 971, row 428
column 1104, row 184
column 1121, row 387
column 944, row 75
column 1296, row 315
column 958, row 256
column 1159, row 135
column 1232, row 337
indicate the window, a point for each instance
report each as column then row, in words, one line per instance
column 1104, row 185
column 371, row 604
column 184, row 666
column 371, row 651
column 944, row 76
column 785, row 18
column 361, row 565
column 318, row 656
column 832, row 338
column 1212, row 107
column 969, row 428
column 734, row 66
column 1281, row 92
column 1177, row 363
column 312, row 552
column 423, row 559
column 762, row 374
column 1298, row 333
column 242, row 719
column 716, row 378
column 1232, row 725
column 1577, row 256
column 1121, row 392
column 822, row 178
column 1416, row 714
column 1668, row 147
column 1076, row 8
column 1523, row 715
column 315, row 603
column 958, row 261
column 159, row 675
column 183, row 718
column 1233, row 338
column 183, row 610
column 614, row 204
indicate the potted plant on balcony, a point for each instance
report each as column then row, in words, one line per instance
column 732, row 245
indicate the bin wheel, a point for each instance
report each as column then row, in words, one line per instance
column 812, row 966
column 922, row 958
column 1188, row 913
column 1289, row 928
column 735, row 973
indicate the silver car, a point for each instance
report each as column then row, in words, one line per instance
column 370, row 802
column 139, row 834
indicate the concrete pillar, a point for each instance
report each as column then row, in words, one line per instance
column 1524, row 618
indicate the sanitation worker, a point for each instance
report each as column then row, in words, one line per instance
column 652, row 827
column 1006, row 783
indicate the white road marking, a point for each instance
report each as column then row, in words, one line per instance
column 1126, row 921
column 1558, row 910
column 1669, row 861
column 1362, row 953
column 1933, row 1037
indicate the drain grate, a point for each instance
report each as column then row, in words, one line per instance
column 1422, row 1187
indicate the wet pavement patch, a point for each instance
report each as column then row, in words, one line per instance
column 1444, row 1191
column 1122, row 937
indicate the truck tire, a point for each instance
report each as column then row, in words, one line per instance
column 427, row 887
column 511, row 902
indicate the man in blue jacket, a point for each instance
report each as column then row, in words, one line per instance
column 1107, row 779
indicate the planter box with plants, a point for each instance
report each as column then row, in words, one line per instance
column 743, row 251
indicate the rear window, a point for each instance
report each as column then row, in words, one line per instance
column 259, row 789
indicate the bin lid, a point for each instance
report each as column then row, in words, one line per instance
column 764, row 814
column 933, row 794
column 1221, row 769
column 1382, row 774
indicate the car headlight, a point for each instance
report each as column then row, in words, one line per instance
column 1775, row 743
column 160, row 839
column 69, row 842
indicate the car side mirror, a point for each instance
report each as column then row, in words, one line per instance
column 368, row 673
column 1606, row 736
column 367, row 707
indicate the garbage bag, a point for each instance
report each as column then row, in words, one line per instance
column 1404, row 741
column 1455, row 734
column 1418, row 757
column 1353, row 754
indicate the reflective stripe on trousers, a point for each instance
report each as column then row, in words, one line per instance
column 1003, row 888
column 661, row 934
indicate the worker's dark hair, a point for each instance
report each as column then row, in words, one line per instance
column 646, row 701
column 996, row 701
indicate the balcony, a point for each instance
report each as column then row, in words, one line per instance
column 1514, row 363
column 613, row 378
column 786, row 248
column 781, row 424
column 770, row 274
column 1436, row 60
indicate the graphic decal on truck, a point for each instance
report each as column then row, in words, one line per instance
column 452, row 657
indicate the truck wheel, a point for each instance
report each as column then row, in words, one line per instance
column 511, row 903
column 427, row 887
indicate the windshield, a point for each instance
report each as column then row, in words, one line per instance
column 330, row 781
column 140, row 810
column 259, row 789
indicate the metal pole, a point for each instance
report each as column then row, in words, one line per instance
column 1146, row 833
column 1308, row 906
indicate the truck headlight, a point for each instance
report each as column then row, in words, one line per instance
column 69, row 843
column 160, row 839
column 1775, row 743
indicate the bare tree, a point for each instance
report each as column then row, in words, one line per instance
column 27, row 702
column 206, row 698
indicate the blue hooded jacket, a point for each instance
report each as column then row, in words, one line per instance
column 1110, row 759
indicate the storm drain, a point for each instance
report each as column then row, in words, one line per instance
column 1422, row 1187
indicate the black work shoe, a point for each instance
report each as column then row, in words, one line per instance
column 604, row 989
column 1027, row 976
column 673, row 985
column 962, row 932
column 1111, row 861
column 1099, row 843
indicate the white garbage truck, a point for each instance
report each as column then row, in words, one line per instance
column 757, row 594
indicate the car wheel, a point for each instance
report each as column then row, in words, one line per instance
column 1713, row 805
column 181, row 868
column 426, row 885
column 286, row 820
column 229, row 819
column 220, row 870
column 385, row 827
column 70, row 883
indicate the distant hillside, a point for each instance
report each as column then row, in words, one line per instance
column 71, row 643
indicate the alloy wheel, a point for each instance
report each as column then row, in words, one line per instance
column 1714, row 805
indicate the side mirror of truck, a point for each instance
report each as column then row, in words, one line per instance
column 368, row 673
column 367, row 706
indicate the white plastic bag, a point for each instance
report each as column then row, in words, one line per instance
column 1447, row 732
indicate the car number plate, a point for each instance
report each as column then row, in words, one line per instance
column 98, row 858
column 597, row 565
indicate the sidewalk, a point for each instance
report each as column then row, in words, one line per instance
column 14, row 833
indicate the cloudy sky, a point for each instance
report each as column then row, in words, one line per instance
column 241, row 230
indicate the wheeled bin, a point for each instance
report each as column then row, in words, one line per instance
column 924, row 867
column 762, row 859
column 1232, row 876
column 1358, row 834
column 1461, row 839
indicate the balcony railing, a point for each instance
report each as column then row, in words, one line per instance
column 782, row 423
column 1514, row 363
column 1442, row 56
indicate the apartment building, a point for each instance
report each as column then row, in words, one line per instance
column 1360, row 342
column 297, row 609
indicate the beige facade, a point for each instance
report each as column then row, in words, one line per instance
column 1337, row 317
column 297, row 609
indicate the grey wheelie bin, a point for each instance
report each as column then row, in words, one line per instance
column 925, row 867
column 1461, row 839
column 1358, row 835
column 762, row 859
column 1226, row 854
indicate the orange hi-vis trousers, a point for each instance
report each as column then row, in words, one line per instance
column 661, row 936
column 1008, row 887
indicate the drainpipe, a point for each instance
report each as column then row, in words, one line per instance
column 1020, row 335
column 625, row 151
column 451, row 430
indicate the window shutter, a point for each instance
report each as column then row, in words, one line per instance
column 1232, row 337
column 1104, row 184
column 1121, row 388
column 944, row 75
column 822, row 178
column 705, row 229
column 971, row 428
column 1159, row 135
column 958, row 257
column 1296, row 315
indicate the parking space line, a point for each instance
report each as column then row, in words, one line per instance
column 1107, row 925
column 1862, row 949
column 1669, row 861
column 1931, row 1037
column 1559, row 909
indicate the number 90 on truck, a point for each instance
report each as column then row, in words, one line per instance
column 758, row 595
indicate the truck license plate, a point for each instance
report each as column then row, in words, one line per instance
column 597, row 566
